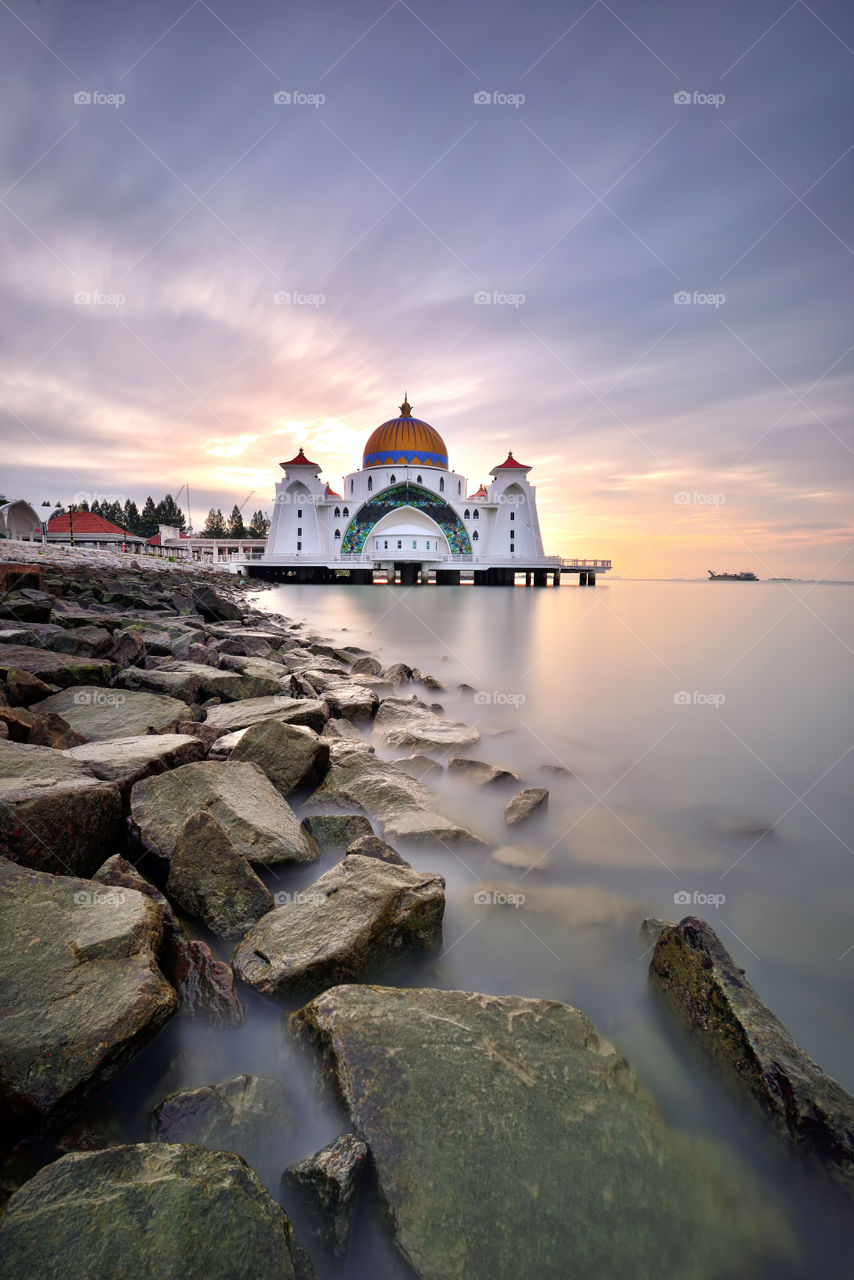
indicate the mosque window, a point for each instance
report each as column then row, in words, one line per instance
column 442, row 485
column 370, row 483
column 476, row 515
column 459, row 486
column 351, row 486
column 512, row 517
column 475, row 536
column 337, row 513
column 392, row 479
column 337, row 533
column 346, row 512
column 418, row 480
column 467, row 514
column 385, row 544
column 299, row 515
column 299, row 546
column 414, row 544
column 399, row 544
column 299, row 533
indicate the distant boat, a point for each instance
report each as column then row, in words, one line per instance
column 732, row 577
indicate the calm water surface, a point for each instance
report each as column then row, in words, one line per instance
column 707, row 729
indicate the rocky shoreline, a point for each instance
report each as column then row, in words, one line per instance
column 168, row 752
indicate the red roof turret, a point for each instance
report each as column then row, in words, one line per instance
column 510, row 464
column 299, row 461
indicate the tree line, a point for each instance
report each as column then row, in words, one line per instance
column 145, row 523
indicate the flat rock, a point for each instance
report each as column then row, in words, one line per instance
column 401, row 804
column 99, row 714
column 259, row 822
column 524, row 804
column 212, row 881
column 240, row 715
column 128, row 760
column 350, row 701
column 420, row 767
column 156, row 1210
column 511, row 1140
column 54, row 814
column 292, row 756
column 478, row 772
column 81, row 990
column 60, row 669
column 193, row 682
column 356, row 917
column 330, row 1178
column 336, row 830
column 406, row 724
column 806, row 1108
column 336, row 728
column 249, row 1115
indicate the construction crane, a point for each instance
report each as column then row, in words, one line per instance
column 186, row 486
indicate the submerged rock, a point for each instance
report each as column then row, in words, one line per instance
column 807, row 1109
column 81, row 990
column 54, row 815
column 154, row 1210
column 478, row 772
column 292, row 756
column 408, row 724
column 355, row 917
column 100, row 714
column 330, row 1179
column 524, row 804
column 212, row 881
column 260, row 823
column 250, row 1115
column 510, row 1140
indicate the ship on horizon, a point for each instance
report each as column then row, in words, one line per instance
column 745, row 576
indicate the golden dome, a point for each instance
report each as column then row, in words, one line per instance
column 405, row 441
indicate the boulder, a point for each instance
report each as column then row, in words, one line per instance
column 329, row 1180
column 59, row 669
column 27, row 605
column 249, row 1115
column 807, row 1109
column 335, row 728
column 511, row 1140
column 240, row 715
column 372, row 847
column 128, row 760
column 366, row 666
column 99, row 714
column 357, row 916
column 193, row 682
column 52, row 731
column 81, row 991
column 222, row 747
column 128, row 647
column 54, row 815
column 336, row 830
column 478, row 772
column 420, row 767
column 350, row 701
column 400, row 723
column 157, row 1210
column 24, row 688
column 19, row 722
column 397, row 673
column 259, row 822
column 402, row 805
column 292, row 756
column 210, row 880
column 524, row 804
column 214, row 607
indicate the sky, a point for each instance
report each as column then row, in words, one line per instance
column 615, row 238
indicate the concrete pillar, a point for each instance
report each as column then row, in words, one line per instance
column 591, row 579
column 480, row 579
column 556, row 578
column 409, row 574
column 527, row 578
column 447, row 577
column 539, row 578
column 582, row 578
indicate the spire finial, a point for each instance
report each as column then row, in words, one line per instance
column 406, row 407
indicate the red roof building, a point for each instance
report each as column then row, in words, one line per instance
column 89, row 530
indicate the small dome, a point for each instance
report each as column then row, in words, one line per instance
column 405, row 441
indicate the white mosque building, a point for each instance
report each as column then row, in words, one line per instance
column 406, row 514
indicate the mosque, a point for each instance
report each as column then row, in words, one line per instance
column 406, row 515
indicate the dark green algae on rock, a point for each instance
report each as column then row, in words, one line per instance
column 510, row 1140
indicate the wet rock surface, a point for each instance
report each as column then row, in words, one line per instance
column 293, row 757
column 399, row 723
column 806, row 1108
column 524, row 804
column 211, row 880
column 330, row 1180
column 249, row 1115
column 101, row 714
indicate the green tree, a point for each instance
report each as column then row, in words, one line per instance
column 131, row 516
column 168, row 512
column 259, row 525
column 46, row 503
column 81, row 506
column 214, row 525
column 148, row 521
column 236, row 527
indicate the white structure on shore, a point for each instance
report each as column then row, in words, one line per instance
column 406, row 509
column 20, row 522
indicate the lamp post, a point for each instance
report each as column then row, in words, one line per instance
column 71, row 522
